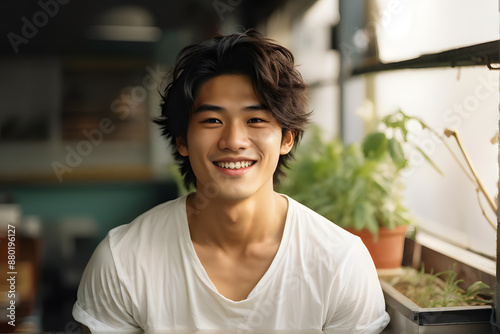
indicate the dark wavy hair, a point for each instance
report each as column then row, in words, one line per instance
column 270, row 66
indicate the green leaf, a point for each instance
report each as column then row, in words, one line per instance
column 389, row 219
column 364, row 217
column 475, row 287
column 406, row 117
column 397, row 121
column 374, row 145
column 360, row 215
column 356, row 192
column 396, row 153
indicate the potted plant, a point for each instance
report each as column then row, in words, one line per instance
column 358, row 186
column 453, row 300
column 442, row 289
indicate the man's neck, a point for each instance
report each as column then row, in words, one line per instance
column 235, row 225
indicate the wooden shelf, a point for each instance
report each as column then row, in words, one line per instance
column 85, row 174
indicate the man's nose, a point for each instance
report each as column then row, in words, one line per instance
column 234, row 137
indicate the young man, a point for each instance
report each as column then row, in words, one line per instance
column 234, row 254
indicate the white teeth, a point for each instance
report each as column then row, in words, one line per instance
column 235, row 165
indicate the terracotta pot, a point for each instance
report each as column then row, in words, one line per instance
column 387, row 251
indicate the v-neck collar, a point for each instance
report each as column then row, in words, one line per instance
column 187, row 243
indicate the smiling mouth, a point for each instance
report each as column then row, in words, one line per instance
column 234, row 165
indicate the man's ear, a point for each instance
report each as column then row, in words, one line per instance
column 181, row 146
column 287, row 142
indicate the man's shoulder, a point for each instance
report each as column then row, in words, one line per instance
column 326, row 246
column 320, row 233
column 312, row 221
column 157, row 220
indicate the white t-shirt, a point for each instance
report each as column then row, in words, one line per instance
column 146, row 276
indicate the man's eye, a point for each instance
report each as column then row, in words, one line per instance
column 212, row 121
column 256, row 120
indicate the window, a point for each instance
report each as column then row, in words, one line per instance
column 464, row 99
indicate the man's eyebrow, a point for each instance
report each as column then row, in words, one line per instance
column 211, row 107
column 255, row 107
column 208, row 107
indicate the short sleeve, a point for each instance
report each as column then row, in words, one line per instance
column 103, row 304
column 359, row 306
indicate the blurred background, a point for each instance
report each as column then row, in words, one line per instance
column 79, row 83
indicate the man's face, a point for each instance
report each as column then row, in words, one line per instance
column 233, row 142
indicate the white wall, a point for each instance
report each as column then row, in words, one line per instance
column 409, row 28
column 447, row 205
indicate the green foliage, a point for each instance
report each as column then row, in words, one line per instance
column 398, row 122
column 438, row 290
column 375, row 145
column 355, row 185
column 397, row 154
